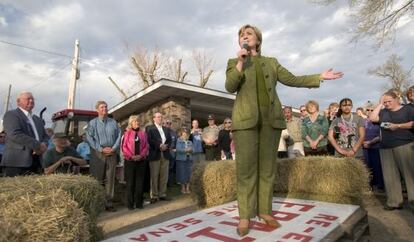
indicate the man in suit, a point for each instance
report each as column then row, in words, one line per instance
column 159, row 140
column 26, row 138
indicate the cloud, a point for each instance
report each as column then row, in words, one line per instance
column 3, row 22
column 58, row 17
column 305, row 38
column 339, row 18
column 326, row 44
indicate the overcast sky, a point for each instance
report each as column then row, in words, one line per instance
column 306, row 38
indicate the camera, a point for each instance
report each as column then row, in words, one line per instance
column 385, row 125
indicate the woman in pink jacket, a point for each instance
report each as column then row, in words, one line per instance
column 135, row 150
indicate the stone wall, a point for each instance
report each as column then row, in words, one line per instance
column 176, row 109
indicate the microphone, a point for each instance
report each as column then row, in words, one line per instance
column 245, row 45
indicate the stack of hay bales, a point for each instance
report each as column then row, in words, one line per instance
column 214, row 183
column 330, row 179
column 51, row 200
column 327, row 178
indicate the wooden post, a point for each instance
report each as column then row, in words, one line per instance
column 74, row 77
column 7, row 103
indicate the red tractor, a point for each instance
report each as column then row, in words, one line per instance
column 72, row 122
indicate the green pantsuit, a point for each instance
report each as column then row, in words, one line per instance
column 257, row 125
column 256, row 155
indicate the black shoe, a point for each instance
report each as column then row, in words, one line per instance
column 110, row 209
column 140, row 207
column 130, row 208
column 153, row 200
column 388, row 208
column 165, row 199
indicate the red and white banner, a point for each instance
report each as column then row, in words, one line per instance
column 301, row 220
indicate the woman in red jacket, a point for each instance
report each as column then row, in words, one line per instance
column 135, row 150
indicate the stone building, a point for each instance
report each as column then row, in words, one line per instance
column 179, row 102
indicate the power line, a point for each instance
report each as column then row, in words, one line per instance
column 36, row 49
column 52, row 75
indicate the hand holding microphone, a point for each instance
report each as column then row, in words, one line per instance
column 244, row 51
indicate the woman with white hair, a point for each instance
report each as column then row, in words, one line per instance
column 135, row 150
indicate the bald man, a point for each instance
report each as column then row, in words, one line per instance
column 26, row 138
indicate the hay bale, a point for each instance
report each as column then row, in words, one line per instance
column 329, row 179
column 324, row 178
column 43, row 216
column 214, row 183
column 85, row 190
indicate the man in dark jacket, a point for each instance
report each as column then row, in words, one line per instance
column 159, row 140
column 26, row 138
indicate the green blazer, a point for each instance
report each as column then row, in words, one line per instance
column 245, row 110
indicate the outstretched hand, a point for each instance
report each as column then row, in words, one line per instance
column 331, row 75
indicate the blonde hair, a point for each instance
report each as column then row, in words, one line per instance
column 312, row 102
column 100, row 102
column 258, row 35
column 131, row 119
column 334, row 104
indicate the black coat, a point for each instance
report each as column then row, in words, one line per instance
column 154, row 141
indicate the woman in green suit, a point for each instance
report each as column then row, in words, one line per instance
column 258, row 122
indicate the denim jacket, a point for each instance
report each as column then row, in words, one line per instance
column 180, row 150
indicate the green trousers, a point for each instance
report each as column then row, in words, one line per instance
column 255, row 167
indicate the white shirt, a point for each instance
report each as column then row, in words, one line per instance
column 163, row 138
column 29, row 117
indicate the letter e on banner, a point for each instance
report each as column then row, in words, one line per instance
column 299, row 237
column 177, row 226
column 192, row 221
column 326, row 217
column 318, row 222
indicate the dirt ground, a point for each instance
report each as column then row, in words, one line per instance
column 385, row 226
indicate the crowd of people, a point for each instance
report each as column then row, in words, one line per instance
column 156, row 154
column 381, row 135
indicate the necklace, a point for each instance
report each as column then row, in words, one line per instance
column 347, row 123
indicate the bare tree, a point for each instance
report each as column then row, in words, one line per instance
column 175, row 71
column 378, row 18
column 203, row 65
column 399, row 79
column 148, row 65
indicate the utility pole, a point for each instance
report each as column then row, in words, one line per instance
column 7, row 103
column 74, row 77
column 118, row 88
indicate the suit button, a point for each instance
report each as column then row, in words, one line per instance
column 267, row 76
column 263, row 64
column 269, row 89
column 272, row 102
